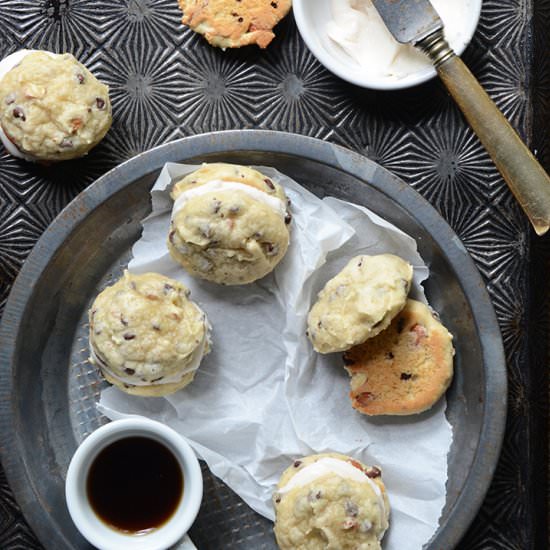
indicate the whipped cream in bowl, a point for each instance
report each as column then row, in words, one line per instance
column 350, row 39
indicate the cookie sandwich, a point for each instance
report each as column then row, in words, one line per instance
column 229, row 225
column 146, row 336
column 328, row 501
column 52, row 107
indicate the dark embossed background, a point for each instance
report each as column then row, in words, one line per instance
column 167, row 83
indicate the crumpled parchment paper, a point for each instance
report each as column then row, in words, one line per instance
column 263, row 397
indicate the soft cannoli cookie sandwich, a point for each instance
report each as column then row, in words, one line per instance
column 146, row 336
column 359, row 302
column 230, row 224
column 406, row 368
column 52, row 107
column 330, row 501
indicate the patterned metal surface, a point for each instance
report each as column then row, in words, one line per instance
column 167, row 83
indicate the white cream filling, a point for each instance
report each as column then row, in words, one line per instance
column 135, row 380
column 6, row 65
column 358, row 29
column 331, row 466
column 212, row 186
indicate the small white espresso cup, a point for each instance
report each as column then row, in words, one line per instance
column 102, row 535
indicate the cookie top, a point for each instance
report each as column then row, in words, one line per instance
column 330, row 500
column 406, row 368
column 234, row 23
column 52, row 108
column 146, row 335
column 359, row 302
column 230, row 224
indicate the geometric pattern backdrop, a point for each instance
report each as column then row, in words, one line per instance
column 167, row 83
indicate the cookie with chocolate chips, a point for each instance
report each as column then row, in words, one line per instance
column 52, row 107
column 234, row 23
column 406, row 368
column 330, row 500
column 146, row 336
column 230, row 224
column 359, row 302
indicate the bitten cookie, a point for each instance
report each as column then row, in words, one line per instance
column 230, row 224
column 330, row 501
column 406, row 368
column 146, row 336
column 234, row 23
column 51, row 107
column 359, row 302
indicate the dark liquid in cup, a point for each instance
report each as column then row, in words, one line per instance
column 135, row 484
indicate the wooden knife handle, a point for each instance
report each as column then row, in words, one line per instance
column 524, row 175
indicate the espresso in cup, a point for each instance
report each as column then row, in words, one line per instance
column 134, row 484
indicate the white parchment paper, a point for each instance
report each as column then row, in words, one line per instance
column 263, row 397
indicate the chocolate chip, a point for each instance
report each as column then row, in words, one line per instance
column 274, row 5
column 288, row 218
column 405, row 376
column 129, row 336
column 123, row 320
column 130, row 371
column 360, row 263
column 100, row 103
column 347, row 359
column 216, row 205
column 156, row 327
column 400, row 324
column 10, row 98
column 389, row 355
column 171, row 236
column 19, row 113
column 80, row 78
column 277, row 499
column 297, row 463
column 167, row 288
column 319, row 324
column 373, row 472
column 240, row 19
column 66, row 143
column 269, row 183
column 272, row 249
column 351, row 509
column 157, row 379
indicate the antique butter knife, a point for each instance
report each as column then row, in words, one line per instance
column 416, row 22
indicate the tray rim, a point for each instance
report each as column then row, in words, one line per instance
column 115, row 180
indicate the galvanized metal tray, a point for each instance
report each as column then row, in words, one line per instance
column 48, row 390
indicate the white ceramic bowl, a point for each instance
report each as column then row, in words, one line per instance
column 106, row 538
column 312, row 17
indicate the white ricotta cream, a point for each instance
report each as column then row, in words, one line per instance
column 359, row 30
column 194, row 363
column 330, row 466
column 219, row 185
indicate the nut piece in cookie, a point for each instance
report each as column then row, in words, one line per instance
column 406, row 368
column 146, row 336
column 234, row 23
column 230, row 224
column 52, row 108
column 359, row 302
column 330, row 501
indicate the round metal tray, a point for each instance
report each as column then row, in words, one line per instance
column 48, row 390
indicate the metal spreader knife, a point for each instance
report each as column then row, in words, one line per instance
column 416, row 22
